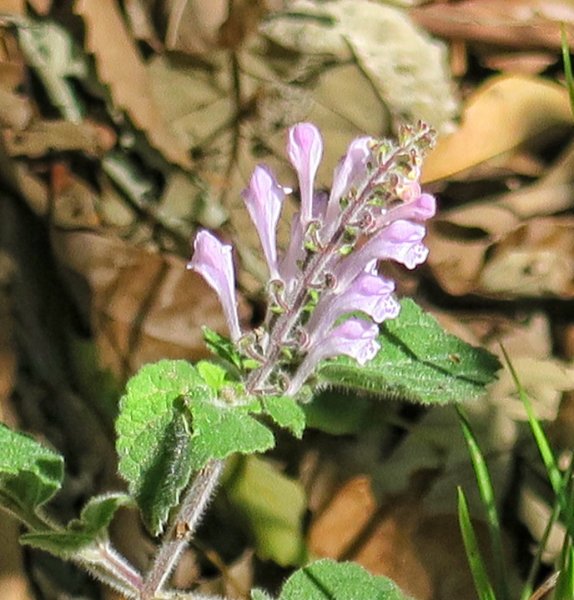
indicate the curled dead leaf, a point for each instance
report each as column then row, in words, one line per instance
column 120, row 67
column 501, row 114
column 516, row 23
column 42, row 137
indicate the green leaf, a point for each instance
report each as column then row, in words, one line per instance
column 222, row 347
column 212, row 374
column 220, row 430
column 80, row 533
column 286, row 412
column 172, row 422
column 488, row 499
column 30, row 474
column 154, row 436
column 329, row 580
column 338, row 413
column 418, row 362
column 272, row 505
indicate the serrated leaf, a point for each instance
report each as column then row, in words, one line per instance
column 80, row 533
column 286, row 412
column 30, row 474
column 272, row 505
column 221, row 346
column 212, row 374
column 172, row 423
column 418, row 362
column 329, row 580
column 220, row 430
column 154, row 437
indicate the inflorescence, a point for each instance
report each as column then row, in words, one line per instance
column 326, row 296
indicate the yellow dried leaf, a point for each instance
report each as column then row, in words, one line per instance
column 499, row 116
column 121, row 68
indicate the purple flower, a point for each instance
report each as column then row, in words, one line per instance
column 420, row 208
column 356, row 338
column 350, row 171
column 400, row 241
column 368, row 293
column 213, row 261
column 264, row 198
column 305, row 149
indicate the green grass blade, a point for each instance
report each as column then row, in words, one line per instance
column 489, row 502
column 528, row 587
column 557, row 481
column 567, row 66
column 481, row 580
column 565, row 583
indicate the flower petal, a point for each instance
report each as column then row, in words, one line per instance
column 264, row 198
column 421, row 208
column 305, row 149
column 356, row 338
column 213, row 261
column 368, row 293
column 400, row 241
column 348, row 174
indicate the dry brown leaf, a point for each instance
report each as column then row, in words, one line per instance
column 524, row 63
column 536, row 259
column 531, row 259
column 120, row 67
column 15, row 111
column 503, row 113
column 13, row 578
column 423, row 554
column 12, row 7
column 199, row 27
column 516, row 23
column 42, row 137
column 42, row 7
column 145, row 306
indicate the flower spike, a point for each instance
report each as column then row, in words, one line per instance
column 327, row 274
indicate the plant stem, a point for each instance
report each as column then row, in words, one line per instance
column 105, row 563
column 182, row 529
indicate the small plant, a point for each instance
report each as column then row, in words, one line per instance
column 332, row 321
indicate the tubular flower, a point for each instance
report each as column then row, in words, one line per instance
column 375, row 211
column 305, row 149
column 264, row 198
column 212, row 260
column 356, row 338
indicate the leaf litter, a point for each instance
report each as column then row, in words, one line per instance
column 127, row 125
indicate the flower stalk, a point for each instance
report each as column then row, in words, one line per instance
column 375, row 211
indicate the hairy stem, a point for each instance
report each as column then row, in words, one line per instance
column 182, row 529
column 107, row 565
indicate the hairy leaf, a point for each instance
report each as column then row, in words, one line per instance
column 30, row 474
column 418, row 361
column 89, row 528
column 329, row 580
column 286, row 412
column 173, row 419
